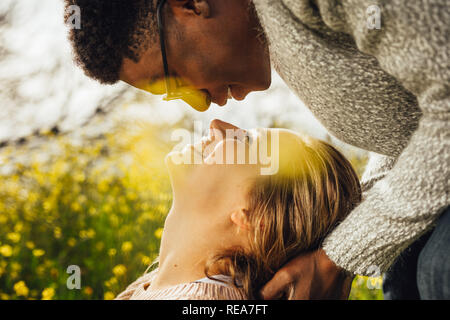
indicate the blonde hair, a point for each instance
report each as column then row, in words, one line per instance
column 291, row 212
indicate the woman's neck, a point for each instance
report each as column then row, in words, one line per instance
column 185, row 247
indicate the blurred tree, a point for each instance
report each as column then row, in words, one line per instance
column 40, row 89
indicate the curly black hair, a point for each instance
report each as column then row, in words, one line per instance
column 111, row 30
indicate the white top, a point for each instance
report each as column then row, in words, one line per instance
column 217, row 279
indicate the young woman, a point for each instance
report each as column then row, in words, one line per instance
column 231, row 227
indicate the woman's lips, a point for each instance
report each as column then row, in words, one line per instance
column 201, row 148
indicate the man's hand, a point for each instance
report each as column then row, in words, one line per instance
column 309, row 276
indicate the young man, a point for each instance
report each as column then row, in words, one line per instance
column 375, row 73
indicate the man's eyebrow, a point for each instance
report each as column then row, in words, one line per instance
column 156, row 78
column 161, row 77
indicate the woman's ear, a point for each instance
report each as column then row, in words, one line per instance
column 240, row 219
column 200, row 8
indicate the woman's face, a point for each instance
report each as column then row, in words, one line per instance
column 207, row 174
column 216, row 173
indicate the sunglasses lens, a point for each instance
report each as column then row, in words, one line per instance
column 156, row 87
column 198, row 100
column 179, row 89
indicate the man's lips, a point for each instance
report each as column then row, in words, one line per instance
column 239, row 93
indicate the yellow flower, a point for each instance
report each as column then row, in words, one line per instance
column 72, row 242
column 6, row 250
column 159, row 232
column 132, row 196
column 75, row 206
column 88, row 291
column 21, row 289
column 18, row 227
column 90, row 233
column 13, row 236
column 111, row 282
column 124, row 209
column 57, row 232
column 83, row 234
column 112, row 252
column 48, row 293
column 47, row 205
column 38, row 252
column 146, row 260
column 30, row 245
column 79, row 177
column 119, row 270
column 146, row 216
column 4, row 296
column 161, row 208
column 40, row 270
column 109, row 295
column 103, row 186
column 54, row 272
column 114, row 219
column 15, row 267
column 127, row 246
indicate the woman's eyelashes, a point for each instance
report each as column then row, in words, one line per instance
column 237, row 134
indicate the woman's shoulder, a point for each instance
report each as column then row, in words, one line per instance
column 202, row 289
column 191, row 291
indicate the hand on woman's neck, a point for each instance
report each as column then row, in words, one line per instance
column 188, row 241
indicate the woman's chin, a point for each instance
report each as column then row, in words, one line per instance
column 175, row 159
column 171, row 162
column 178, row 171
column 168, row 160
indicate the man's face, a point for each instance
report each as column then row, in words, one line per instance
column 214, row 45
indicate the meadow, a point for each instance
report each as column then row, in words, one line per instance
column 99, row 204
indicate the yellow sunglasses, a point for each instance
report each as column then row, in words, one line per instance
column 173, row 87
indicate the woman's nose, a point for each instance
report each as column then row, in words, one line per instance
column 223, row 126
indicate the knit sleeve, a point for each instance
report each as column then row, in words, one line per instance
column 412, row 45
column 376, row 169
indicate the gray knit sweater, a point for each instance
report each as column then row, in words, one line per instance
column 385, row 90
